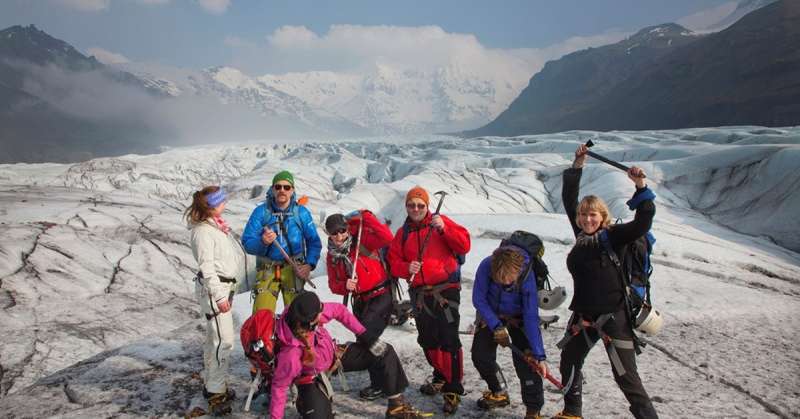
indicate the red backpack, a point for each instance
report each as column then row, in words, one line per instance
column 258, row 341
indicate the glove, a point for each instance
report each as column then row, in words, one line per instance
column 352, row 215
column 501, row 337
column 368, row 338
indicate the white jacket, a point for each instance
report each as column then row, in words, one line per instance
column 217, row 254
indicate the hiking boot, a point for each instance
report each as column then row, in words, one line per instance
column 564, row 415
column 533, row 414
column 403, row 410
column 229, row 394
column 492, row 400
column 370, row 393
column 451, row 402
column 432, row 387
column 219, row 404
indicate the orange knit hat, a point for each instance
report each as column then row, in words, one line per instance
column 418, row 192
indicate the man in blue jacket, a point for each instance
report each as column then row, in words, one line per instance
column 505, row 298
column 281, row 221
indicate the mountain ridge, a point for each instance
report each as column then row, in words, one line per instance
column 747, row 74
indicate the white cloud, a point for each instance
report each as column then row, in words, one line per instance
column 86, row 5
column 107, row 57
column 707, row 18
column 355, row 48
column 215, row 6
column 292, row 37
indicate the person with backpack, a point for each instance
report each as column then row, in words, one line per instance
column 361, row 235
column 600, row 299
column 428, row 251
column 505, row 299
column 280, row 228
column 219, row 258
column 307, row 353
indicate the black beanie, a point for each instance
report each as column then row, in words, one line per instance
column 334, row 223
column 304, row 309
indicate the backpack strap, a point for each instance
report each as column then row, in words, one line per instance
column 609, row 250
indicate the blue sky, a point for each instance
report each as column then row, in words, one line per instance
column 261, row 36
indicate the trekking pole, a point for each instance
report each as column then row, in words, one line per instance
column 607, row 160
column 563, row 388
column 253, row 387
column 293, row 263
column 355, row 262
column 441, row 194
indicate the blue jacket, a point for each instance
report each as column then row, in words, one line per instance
column 492, row 299
column 300, row 237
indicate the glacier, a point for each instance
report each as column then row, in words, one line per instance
column 99, row 317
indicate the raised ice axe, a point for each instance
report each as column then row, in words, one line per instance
column 618, row 165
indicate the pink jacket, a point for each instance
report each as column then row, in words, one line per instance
column 289, row 364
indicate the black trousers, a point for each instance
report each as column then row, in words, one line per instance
column 314, row 403
column 439, row 337
column 374, row 315
column 574, row 353
column 484, row 357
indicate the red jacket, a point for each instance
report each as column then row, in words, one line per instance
column 439, row 260
column 370, row 271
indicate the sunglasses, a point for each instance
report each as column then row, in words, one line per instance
column 339, row 231
column 412, row 206
column 278, row 187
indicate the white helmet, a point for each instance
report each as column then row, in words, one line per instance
column 649, row 321
column 552, row 298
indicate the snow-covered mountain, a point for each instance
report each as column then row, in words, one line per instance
column 96, row 272
column 384, row 100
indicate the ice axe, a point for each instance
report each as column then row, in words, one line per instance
column 355, row 261
column 618, row 165
column 562, row 388
column 292, row 262
column 441, row 194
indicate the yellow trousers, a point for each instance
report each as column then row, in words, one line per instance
column 273, row 280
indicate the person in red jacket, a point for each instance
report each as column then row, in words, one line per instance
column 433, row 269
column 370, row 286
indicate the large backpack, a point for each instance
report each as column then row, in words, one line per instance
column 636, row 268
column 259, row 342
column 534, row 246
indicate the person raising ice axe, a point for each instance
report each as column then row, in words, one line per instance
column 428, row 251
column 355, row 268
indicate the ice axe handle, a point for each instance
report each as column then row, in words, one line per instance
column 548, row 376
column 603, row 159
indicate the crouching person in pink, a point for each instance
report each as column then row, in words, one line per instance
column 308, row 354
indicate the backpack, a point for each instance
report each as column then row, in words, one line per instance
column 534, row 246
column 635, row 268
column 259, row 342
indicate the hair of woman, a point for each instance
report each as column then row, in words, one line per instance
column 506, row 261
column 593, row 203
column 199, row 210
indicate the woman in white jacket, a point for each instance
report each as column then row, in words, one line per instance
column 219, row 258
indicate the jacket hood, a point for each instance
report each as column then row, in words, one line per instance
column 284, row 333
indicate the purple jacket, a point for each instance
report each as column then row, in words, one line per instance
column 289, row 364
